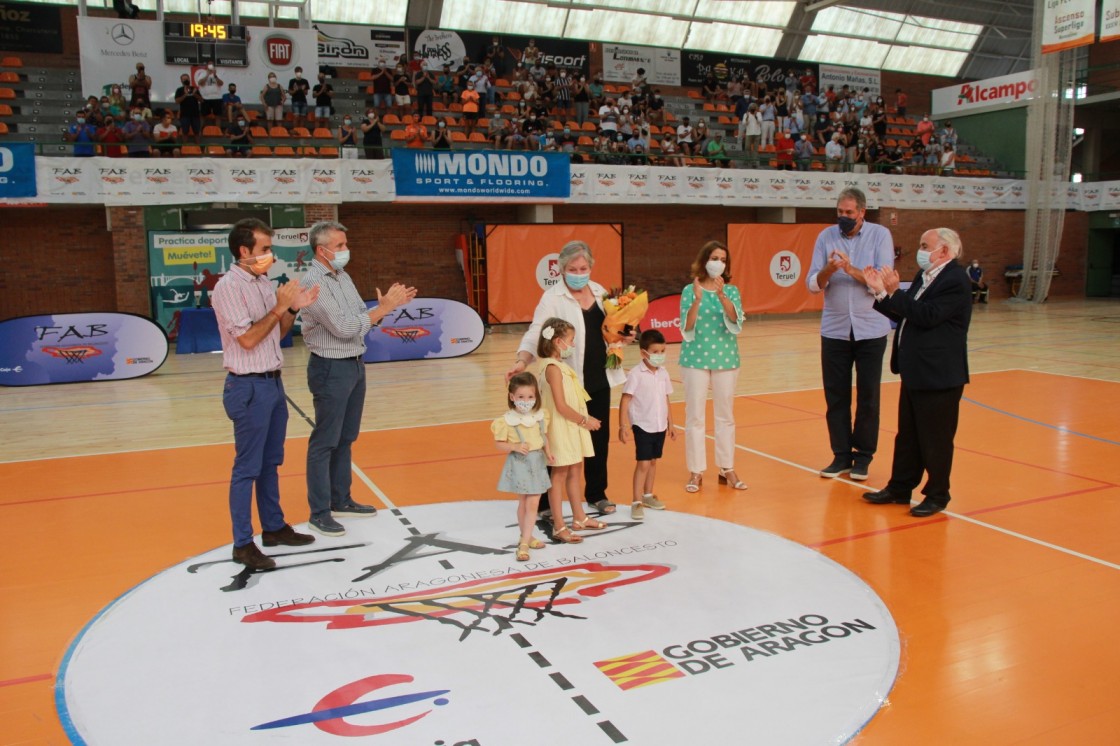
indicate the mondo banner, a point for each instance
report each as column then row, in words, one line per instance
column 425, row 630
column 481, row 175
column 79, row 347
column 425, row 328
column 17, row 170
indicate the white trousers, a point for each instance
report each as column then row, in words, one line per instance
column 696, row 384
column 767, row 132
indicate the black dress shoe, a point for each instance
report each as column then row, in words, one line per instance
column 927, row 508
column 886, row 497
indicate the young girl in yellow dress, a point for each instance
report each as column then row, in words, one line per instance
column 521, row 433
column 569, row 429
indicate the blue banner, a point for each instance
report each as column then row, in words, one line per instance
column 481, row 175
column 424, row 328
column 78, row 347
column 17, row 170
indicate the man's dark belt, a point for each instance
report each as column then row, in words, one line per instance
column 268, row 374
column 356, row 357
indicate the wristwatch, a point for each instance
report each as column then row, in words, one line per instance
column 293, row 311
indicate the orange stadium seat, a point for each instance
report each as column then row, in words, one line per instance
column 3, row 129
column 501, row 83
column 307, row 152
column 300, row 132
column 589, row 127
column 654, row 144
column 365, row 75
column 5, row 110
column 191, row 150
column 261, row 151
column 390, row 120
column 215, row 151
column 9, row 77
column 406, row 119
column 211, row 130
column 322, row 133
column 7, row 93
column 396, row 135
column 278, row 132
column 428, row 121
column 258, row 132
column 585, row 142
column 11, row 62
column 284, row 151
column 477, row 137
column 458, row 137
column 439, row 106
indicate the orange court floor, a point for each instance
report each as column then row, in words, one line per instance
column 1005, row 604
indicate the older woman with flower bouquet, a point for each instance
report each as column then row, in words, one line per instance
column 579, row 301
column 711, row 320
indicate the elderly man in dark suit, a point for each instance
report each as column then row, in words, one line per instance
column 930, row 353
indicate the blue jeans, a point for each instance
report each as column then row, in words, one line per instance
column 259, row 413
column 338, row 390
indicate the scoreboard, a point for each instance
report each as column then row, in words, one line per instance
column 202, row 43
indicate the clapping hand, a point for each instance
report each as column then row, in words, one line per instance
column 287, row 294
column 890, row 279
column 718, row 280
column 397, row 296
column 874, row 279
column 306, row 297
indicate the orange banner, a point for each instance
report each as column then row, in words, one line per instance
column 521, row 263
column 769, row 264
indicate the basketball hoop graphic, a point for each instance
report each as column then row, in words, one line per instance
column 74, row 355
column 407, row 334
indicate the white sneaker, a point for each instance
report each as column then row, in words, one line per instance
column 637, row 511
column 651, row 502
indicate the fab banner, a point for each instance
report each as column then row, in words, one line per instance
column 425, row 328
column 769, row 265
column 522, row 261
column 79, row 347
column 185, row 267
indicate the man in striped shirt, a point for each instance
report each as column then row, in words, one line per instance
column 334, row 329
column 252, row 318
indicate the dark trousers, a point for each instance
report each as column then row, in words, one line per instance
column 859, row 440
column 595, row 467
column 259, row 413
column 424, row 105
column 338, row 390
column 927, row 424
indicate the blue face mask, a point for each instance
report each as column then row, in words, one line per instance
column 923, row 259
column 576, row 282
column 341, row 259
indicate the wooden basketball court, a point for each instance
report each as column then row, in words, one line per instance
column 1005, row 603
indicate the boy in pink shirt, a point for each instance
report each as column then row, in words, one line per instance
column 644, row 414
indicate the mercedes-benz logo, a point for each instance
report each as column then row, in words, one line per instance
column 123, row 34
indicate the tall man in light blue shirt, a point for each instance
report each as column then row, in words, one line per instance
column 852, row 332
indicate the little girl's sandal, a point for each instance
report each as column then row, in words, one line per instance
column 588, row 524
column 522, row 552
column 564, row 535
column 535, row 543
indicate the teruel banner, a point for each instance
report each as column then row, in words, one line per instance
column 1067, row 24
column 79, row 347
column 481, row 175
column 111, row 47
column 769, row 263
column 17, row 170
column 425, row 328
column 359, row 46
column 1003, row 92
column 522, row 262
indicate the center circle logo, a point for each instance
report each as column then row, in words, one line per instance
column 548, row 271
column 785, row 269
column 420, row 627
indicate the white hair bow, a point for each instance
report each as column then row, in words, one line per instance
column 548, row 332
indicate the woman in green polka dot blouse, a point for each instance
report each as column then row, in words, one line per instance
column 710, row 358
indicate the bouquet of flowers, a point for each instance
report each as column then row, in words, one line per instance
column 625, row 308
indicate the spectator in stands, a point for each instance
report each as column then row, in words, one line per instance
column 700, row 136
column 347, row 139
column 233, row 106
column 240, row 139
column 684, row 136
column 620, row 154
column 597, row 91
column 416, row 134
column 979, row 286
column 140, row 84
column 716, row 151
column 948, row 160
column 636, row 141
column 82, row 133
column 496, row 51
column 809, row 111
column 734, row 91
column 670, row 151
column 470, row 100
column 655, row 108
column 608, row 117
column 272, row 99
column 547, row 142
column 425, row 83
column 948, row 135
column 498, row 131
column 532, row 127
column 803, row 152
column 373, row 130
column 138, row 135
column 639, row 83
column 567, row 140
column 117, row 104
column 602, row 147
column 516, row 139
column 900, row 100
column 796, row 121
column 933, row 156
column 415, row 65
column 790, row 80
column 624, row 100
column 833, row 153
column 538, row 72
column 784, row 150
column 625, row 121
column 190, row 108
column 381, row 83
column 824, row 130
column 808, row 81
column 581, row 98
column 750, row 134
column 879, row 122
column 925, row 130
column 917, row 156
column 781, row 110
column 110, row 135
column 210, row 87
column 298, row 88
column 565, row 108
column 324, row 97
column 712, row 89
column 166, row 136
column 768, row 113
column 894, row 161
column 531, row 55
column 483, row 85
column 93, row 111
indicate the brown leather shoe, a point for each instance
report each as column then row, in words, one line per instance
column 286, row 536
column 252, row 557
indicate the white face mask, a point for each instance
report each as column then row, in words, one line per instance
column 525, row 406
column 715, row 268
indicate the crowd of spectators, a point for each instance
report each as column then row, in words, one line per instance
column 525, row 104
